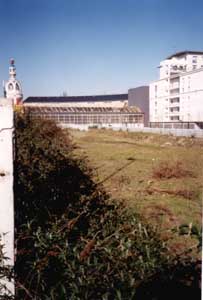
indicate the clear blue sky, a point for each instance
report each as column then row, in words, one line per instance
column 94, row 46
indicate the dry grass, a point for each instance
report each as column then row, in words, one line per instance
column 187, row 194
column 159, row 176
column 168, row 170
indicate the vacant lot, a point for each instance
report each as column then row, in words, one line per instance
column 161, row 177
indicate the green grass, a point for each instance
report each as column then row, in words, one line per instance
column 124, row 162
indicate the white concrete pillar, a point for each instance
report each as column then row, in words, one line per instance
column 6, row 182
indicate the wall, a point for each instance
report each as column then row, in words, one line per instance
column 6, row 181
column 189, row 93
column 116, row 126
column 140, row 97
column 81, row 104
column 197, row 133
column 158, row 92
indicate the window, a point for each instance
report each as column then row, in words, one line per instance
column 194, row 59
column 155, row 91
column 175, row 109
column 175, row 100
column 188, row 83
column 10, row 86
column 174, row 118
column 194, row 67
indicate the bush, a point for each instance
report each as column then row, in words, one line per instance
column 72, row 241
column 166, row 170
column 6, row 275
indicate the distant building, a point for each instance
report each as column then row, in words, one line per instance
column 12, row 87
column 139, row 97
column 87, row 117
column 102, row 111
column 82, row 112
column 178, row 95
column 117, row 100
column 125, row 110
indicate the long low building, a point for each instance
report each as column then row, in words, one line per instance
column 117, row 100
column 136, row 97
column 87, row 117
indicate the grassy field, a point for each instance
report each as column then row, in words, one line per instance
column 161, row 177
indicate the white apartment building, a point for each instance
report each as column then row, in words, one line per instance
column 178, row 95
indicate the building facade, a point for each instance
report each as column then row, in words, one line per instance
column 83, row 112
column 89, row 117
column 178, row 94
column 139, row 97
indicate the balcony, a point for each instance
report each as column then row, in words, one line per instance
column 174, row 86
column 177, row 69
column 174, row 92
column 174, row 101
column 174, row 109
column 175, row 118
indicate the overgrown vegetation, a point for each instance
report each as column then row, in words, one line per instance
column 6, row 275
column 167, row 170
column 72, row 241
column 166, row 202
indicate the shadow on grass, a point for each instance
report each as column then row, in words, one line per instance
column 179, row 282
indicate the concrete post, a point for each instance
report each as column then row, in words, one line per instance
column 6, row 183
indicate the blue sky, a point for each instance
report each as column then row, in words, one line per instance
column 94, row 46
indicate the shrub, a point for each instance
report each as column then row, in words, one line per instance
column 6, row 275
column 166, row 170
column 72, row 241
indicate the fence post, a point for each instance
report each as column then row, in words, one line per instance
column 6, row 185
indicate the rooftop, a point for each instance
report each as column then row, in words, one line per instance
column 181, row 53
column 59, row 109
column 96, row 98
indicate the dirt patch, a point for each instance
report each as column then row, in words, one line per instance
column 162, row 215
column 182, row 193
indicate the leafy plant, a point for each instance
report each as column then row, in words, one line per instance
column 6, row 275
column 166, row 170
column 72, row 241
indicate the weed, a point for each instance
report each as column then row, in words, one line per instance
column 167, row 170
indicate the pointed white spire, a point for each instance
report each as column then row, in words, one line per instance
column 12, row 69
column 12, row 87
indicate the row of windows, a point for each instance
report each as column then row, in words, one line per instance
column 92, row 119
column 178, row 125
column 13, row 86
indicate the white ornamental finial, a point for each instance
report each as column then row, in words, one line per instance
column 12, row 69
column 13, row 88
